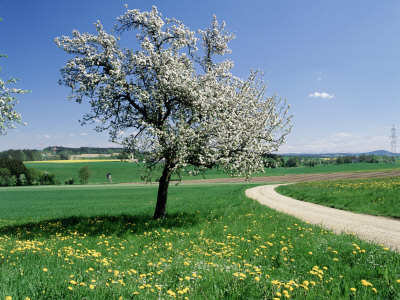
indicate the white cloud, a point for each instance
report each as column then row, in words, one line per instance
column 47, row 136
column 84, row 134
column 343, row 135
column 322, row 95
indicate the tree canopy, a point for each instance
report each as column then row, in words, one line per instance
column 8, row 100
column 173, row 100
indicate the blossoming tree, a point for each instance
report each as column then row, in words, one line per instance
column 8, row 115
column 172, row 100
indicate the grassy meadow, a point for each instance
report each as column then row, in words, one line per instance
column 99, row 242
column 374, row 196
column 123, row 172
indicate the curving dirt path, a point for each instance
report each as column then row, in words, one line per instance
column 380, row 230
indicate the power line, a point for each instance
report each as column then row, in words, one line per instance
column 393, row 142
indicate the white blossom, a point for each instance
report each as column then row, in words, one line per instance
column 8, row 115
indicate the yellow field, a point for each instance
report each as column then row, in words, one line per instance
column 71, row 161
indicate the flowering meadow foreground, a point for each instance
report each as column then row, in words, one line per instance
column 99, row 242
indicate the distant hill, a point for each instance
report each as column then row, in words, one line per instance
column 330, row 155
column 382, row 153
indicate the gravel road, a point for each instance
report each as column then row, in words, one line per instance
column 375, row 229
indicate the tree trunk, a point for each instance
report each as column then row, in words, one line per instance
column 161, row 206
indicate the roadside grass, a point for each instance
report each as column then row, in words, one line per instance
column 130, row 172
column 374, row 196
column 100, row 243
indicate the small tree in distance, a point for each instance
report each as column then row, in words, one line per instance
column 180, row 105
column 84, row 174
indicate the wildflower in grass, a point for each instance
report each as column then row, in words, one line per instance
column 353, row 289
column 171, row 293
column 70, row 288
column 310, row 253
column 8, row 298
column 45, row 269
column 286, row 293
column 257, row 278
column 365, row 283
column 375, row 291
column 398, row 280
column 91, row 287
column 135, row 293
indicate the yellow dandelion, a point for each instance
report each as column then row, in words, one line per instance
column 353, row 289
column 45, row 269
column 70, row 288
column 365, row 283
column 91, row 286
column 257, row 278
column 8, row 298
column 171, row 293
column 375, row 291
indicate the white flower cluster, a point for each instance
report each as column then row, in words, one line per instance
column 173, row 101
column 8, row 116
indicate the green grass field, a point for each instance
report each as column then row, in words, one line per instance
column 129, row 172
column 99, row 242
column 375, row 196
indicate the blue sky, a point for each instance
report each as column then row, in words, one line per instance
column 336, row 62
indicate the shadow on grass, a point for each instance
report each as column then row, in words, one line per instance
column 98, row 225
